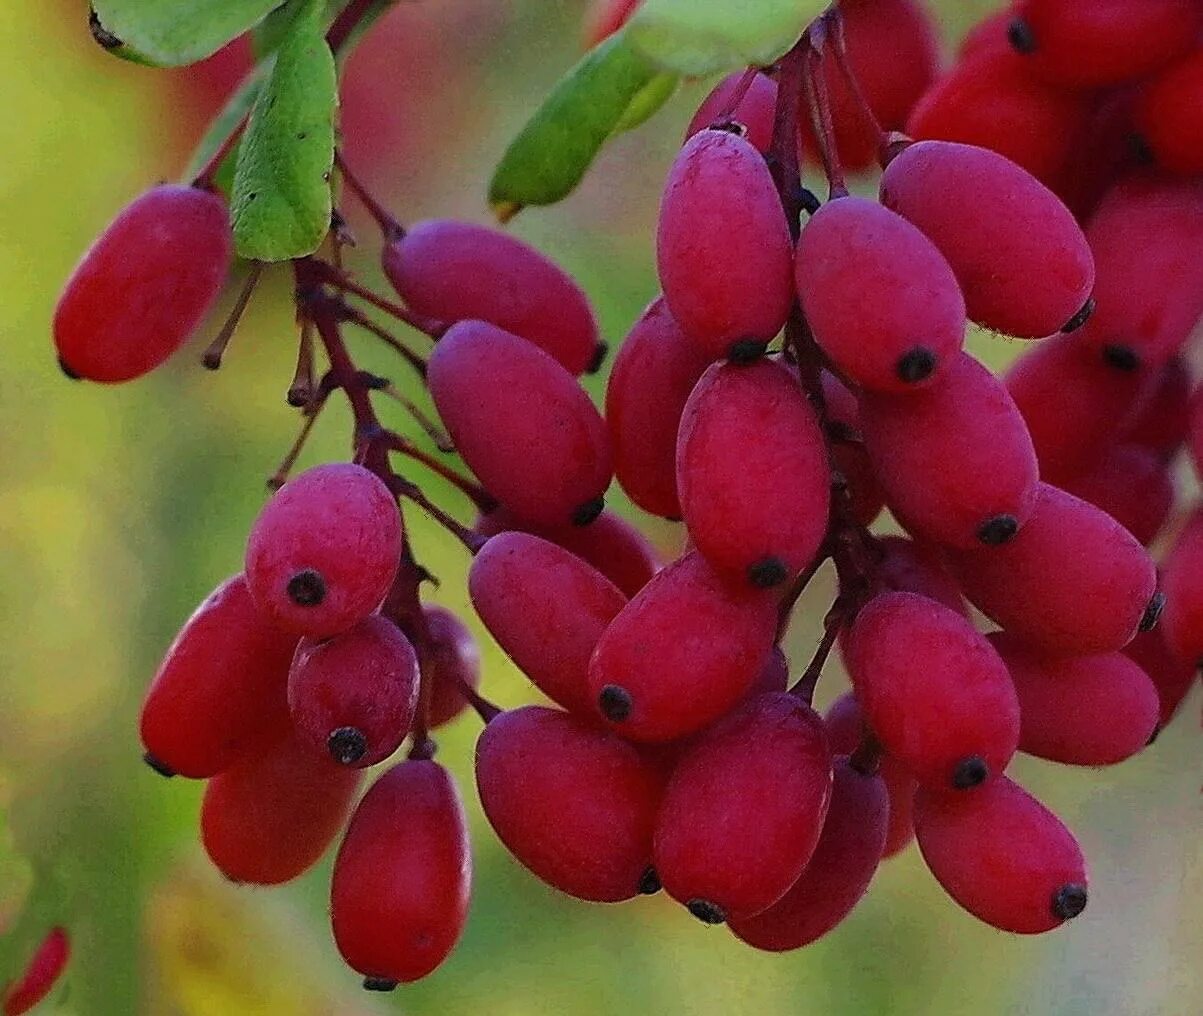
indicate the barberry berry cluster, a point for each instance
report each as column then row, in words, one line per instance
column 802, row 369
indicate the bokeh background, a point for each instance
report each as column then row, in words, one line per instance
column 121, row 508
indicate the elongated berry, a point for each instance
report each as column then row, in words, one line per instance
column 354, row 695
column 1171, row 675
column 1147, row 239
column 1163, row 420
column 221, row 690
column 1095, row 43
column 575, row 804
column 838, row 873
column 882, row 302
column 752, row 472
column 846, row 731
column 656, row 368
column 522, row 424
column 744, row 808
column 43, row 971
column 1183, row 585
column 992, row 100
column 1074, row 403
column 547, row 609
column 945, row 706
column 754, row 111
column 324, row 550
column 1002, row 856
column 402, row 877
column 452, row 271
column 722, row 246
column 454, row 661
column 907, row 566
column 610, row 543
column 955, row 461
column 1073, row 580
column 681, row 653
column 1132, row 485
column 1092, row 710
column 268, row 818
column 1169, row 115
column 145, row 285
column 1023, row 264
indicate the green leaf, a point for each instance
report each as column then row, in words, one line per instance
column 281, row 200
column 647, row 102
column 170, row 33
column 552, row 152
column 236, row 108
column 689, row 37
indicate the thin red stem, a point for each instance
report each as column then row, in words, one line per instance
column 818, row 103
column 427, row 326
column 839, row 48
column 727, row 114
column 480, row 497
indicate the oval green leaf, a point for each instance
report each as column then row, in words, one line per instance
column 281, row 200
column 588, row 105
column 688, row 37
column 170, row 33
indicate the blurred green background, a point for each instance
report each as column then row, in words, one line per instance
column 121, row 508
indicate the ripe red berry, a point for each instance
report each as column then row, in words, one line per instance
column 879, row 297
column 1133, row 486
column 1023, row 264
column 269, row 817
column 324, row 550
column 655, row 370
column 754, row 111
column 1169, row 115
column 1002, row 856
column 1172, row 676
column 40, row 975
column 722, row 246
column 955, row 460
column 522, row 424
column 838, row 873
column 945, row 707
column 681, row 653
column 753, row 472
column 402, row 877
column 453, row 661
column 145, row 285
column 221, row 690
column 1095, row 43
column 354, row 695
column 1073, row 581
column 1183, row 585
column 604, row 18
column 907, row 566
column 573, row 803
column 547, row 609
column 1147, row 240
column 1092, row 710
column 1163, row 419
column 452, row 271
column 744, row 808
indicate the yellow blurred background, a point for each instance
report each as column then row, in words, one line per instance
column 120, row 508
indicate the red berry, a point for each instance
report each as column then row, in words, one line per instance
column 655, row 370
column 755, row 110
column 1183, row 586
column 453, row 661
column 907, row 566
column 522, row 424
column 1073, row 581
column 1172, row 676
column 324, row 550
column 722, row 246
column 753, row 473
column 354, row 695
column 1003, row 856
column 744, row 808
column 451, row 271
column 268, row 818
column 221, row 690
column 944, row 707
column 882, row 302
column 1092, row 710
column 402, row 877
column 547, row 609
column 40, row 975
column 575, row 804
column 145, row 285
column 604, row 18
column 1133, row 486
column 1163, row 419
column 681, row 653
column 1021, row 259
column 1170, row 115
column 955, row 461
column 838, row 873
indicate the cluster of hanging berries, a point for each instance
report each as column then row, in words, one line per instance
column 802, row 369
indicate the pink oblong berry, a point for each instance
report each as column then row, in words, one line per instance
column 754, row 111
